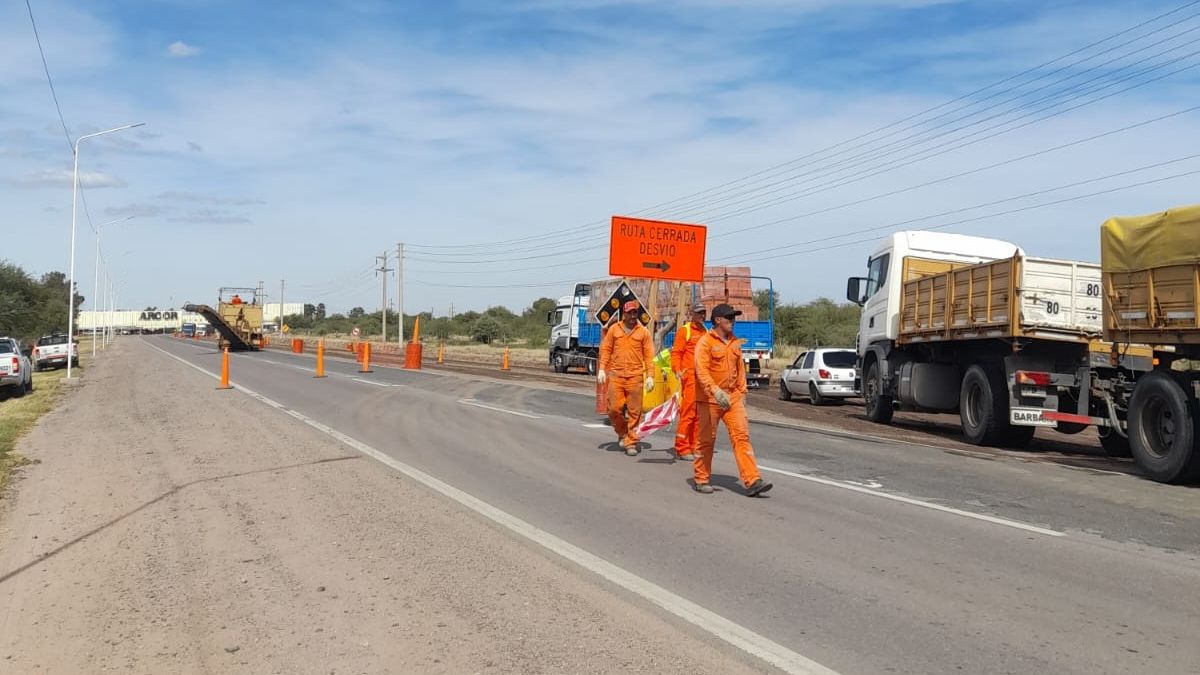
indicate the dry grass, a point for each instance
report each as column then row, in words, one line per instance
column 18, row 415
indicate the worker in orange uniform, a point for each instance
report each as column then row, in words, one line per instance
column 236, row 299
column 627, row 352
column 721, row 396
column 683, row 362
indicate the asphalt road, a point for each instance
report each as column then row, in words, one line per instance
column 870, row 555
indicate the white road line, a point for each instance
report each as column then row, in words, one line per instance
column 917, row 502
column 596, row 426
column 477, row 404
column 735, row 634
column 377, row 384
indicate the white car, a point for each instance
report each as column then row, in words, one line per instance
column 821, row 374
column 16, row 373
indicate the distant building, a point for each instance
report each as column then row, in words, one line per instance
column 167, row 319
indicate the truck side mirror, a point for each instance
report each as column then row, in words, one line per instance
column 855, row 287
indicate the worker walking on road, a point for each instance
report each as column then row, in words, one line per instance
column 683, row 362
column 721, row 396
column 627, row 353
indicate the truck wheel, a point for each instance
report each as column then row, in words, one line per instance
column 1162, row 429
column 785, row 394
column 815, row 396
column 983, row 407
column 591, row 365
column 878, row 404
column 1114, row 444
column 1019, row 437
column 560, row 362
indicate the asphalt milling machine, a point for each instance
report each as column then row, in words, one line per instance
column 237, row 318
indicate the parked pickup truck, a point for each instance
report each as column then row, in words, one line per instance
column 16, row 376
column 52, row 352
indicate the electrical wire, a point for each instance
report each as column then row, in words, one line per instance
column 588, row 226
column 777, row 251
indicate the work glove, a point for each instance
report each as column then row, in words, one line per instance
column 601, row 376
column 722, row 399
column 650, row 383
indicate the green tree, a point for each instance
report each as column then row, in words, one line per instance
column 486, row 329
column 357, row 312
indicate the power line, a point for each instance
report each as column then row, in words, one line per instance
column 837, row 207
column 778, row 252
column 1010, row 78
column 950, row 145
column 62, row 120
column 744, row 195
column 962, row 142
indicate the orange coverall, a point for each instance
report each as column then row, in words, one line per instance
column 719, row 365
column 626, row 357
column 683, row 361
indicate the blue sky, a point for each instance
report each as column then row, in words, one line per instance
column 299, row 140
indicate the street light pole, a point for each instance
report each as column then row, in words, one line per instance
column 96, row 280
column 71, row 276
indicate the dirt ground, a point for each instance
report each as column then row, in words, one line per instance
column 171, row 528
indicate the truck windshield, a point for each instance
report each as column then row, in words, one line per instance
column 52, row 340
column 877, row 273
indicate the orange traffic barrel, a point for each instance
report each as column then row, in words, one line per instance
column 297, row 345
column 412, row 356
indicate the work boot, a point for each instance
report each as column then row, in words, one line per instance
column 703, row 488
column 758, row 487
column 686, row 456
column 632, row 450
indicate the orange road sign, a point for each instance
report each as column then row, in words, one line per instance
column 656, row 249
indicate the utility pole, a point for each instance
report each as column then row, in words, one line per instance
column 383, row 269
column 452, row 311
column 281, row 285
column 400, row 288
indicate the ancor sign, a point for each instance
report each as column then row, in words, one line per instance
column 656, row 249
column 160, row 316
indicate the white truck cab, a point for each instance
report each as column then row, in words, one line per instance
column 879, row 293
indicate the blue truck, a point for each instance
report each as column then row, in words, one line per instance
column 575, row 337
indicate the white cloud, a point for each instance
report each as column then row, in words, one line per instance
column 48, row 178
column 180, row 49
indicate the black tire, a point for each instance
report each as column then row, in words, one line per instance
column 983, row 407
column 1162, row 429
column 878, row 405
column 591, row 365
column 815, row 396
column 559, row 362
column 1114, row 444
column 18, row 391
column 1019, row 437
column 785, row 394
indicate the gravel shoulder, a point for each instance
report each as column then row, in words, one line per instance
column 171, row 527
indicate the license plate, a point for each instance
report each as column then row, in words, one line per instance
column 1029, row 417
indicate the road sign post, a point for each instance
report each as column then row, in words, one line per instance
column 656, row 249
